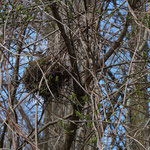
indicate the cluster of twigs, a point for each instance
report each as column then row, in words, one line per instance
column 45, row 76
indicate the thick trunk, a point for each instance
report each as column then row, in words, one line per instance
column 138, row 107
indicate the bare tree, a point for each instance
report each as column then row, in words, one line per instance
column 138, row 115
column 74, row 75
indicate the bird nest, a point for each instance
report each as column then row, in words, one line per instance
column 46, row 77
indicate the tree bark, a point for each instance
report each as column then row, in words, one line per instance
column 138, row 107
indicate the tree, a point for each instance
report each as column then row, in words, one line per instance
column 74, row 75
column 138, row 120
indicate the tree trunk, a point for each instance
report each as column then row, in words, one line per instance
column 138, row 113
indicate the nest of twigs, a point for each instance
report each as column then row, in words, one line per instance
column 45, row 76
